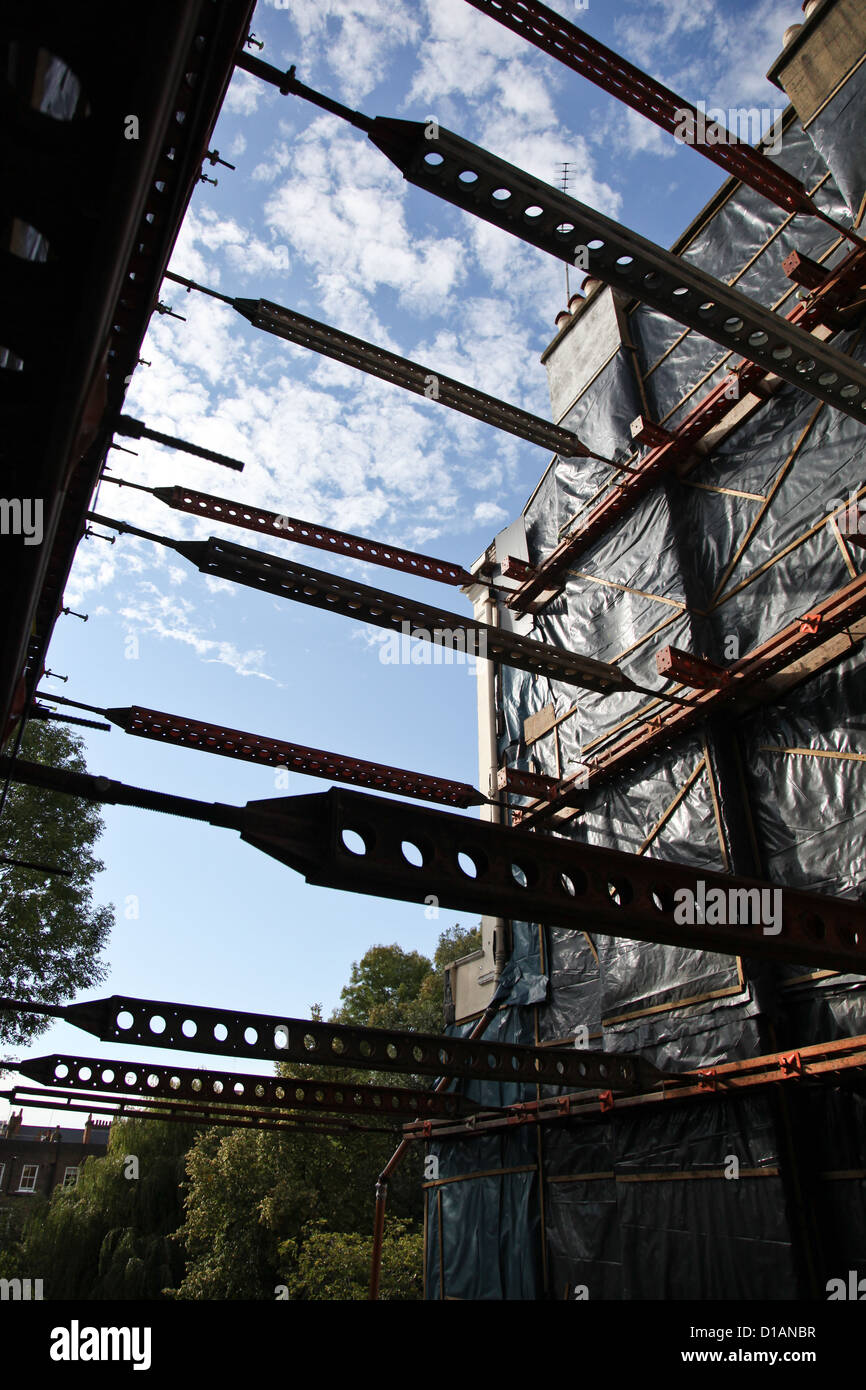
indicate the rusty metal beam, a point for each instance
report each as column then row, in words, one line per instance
column 585, row 55
column 170, row 1083
column 816, row 1063
column 366, row 844
column 400, row 371
column 332, row 593
column 473, row 179
column 744, row 681
column 290, row 528
column 294, row 757
column 182, row 1112
column 813, row 315
column 270, row 1037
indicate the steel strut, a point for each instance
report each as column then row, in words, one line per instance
column 272, row 1037
column 113, row 1078
column 585, row 55
column 290, row 528
column 401, row 371
column 293, row 757
column 286, row 579
column 491, row 868
column 496, row 191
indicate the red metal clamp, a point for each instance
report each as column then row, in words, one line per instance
column 810, row 622
column 605, row 1100
column 792, row 1064
column 708, row 1081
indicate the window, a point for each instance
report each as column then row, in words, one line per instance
column 70, row 1177
column 28, row 1177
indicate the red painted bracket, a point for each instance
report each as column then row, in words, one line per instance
column 517, row 569
column 645, row 431
column 804, row 271
column 519, row 783
column 697, row 671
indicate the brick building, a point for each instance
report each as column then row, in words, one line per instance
column 34, row 1159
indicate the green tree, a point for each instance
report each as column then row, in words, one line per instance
column 266, row 1209
column 335, row 1265
column 382, row 985
column 51, row 934
column 393, row 988
column 253, row 1193
column 109, row 1236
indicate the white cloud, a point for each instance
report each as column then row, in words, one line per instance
column 340, row 208
column 356, row 40
column 244, row 94
column 169, row 617
column 490, row 514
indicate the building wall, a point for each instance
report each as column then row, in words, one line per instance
column 628, row 1206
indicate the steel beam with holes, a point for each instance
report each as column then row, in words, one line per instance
column 817, row 1063
column 475, row 180
column 472, row 178
column 147, row 1079
column 269, row 1037
column 272, row 752
column 799, row 638
column 411, row 852
column 585, row 55
column 546, row 580
column 290, row 528
column 274, row 575
column 208, row 1113
column 400, row 371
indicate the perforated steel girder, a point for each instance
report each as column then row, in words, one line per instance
column 291, row 528
column 554, row 34
column 423, row 381
column 332, row 593
column 366, row 844
column 111, row 1077
column 228, row 1032
column 473, row 179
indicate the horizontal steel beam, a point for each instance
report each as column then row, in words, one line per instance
column 821, row 1062
column 147, row 1079
column 332, row 593
column 184, row 1112
column 400, row 371
column 366, row 844
column 174, row 729
column 270, row 1037
column 585, row 55
column 477, row 181
column 743, row 679
column 290, row 528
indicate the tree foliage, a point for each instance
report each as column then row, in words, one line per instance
column 247, row 1214
column 335, row 1265
column 109, row 1236
column 393, row 988
column 51, row 934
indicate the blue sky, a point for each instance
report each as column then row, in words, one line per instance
column 317, row 219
